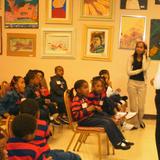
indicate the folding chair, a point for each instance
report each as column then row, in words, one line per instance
column 84, row 132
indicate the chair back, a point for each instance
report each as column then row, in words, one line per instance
column 67, row 101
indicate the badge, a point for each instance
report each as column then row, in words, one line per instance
column 84, row 105
column 101, row 103
column 58, row 82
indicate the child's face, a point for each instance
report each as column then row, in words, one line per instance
column 84, row 90
column 60, row 71
column 98, row 87
column 106, row 76
column 140, row 48
column 36, row 80
column 40, row 76
column 20, row 86
column 58, row 3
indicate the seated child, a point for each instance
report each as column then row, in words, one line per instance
column 42, row 132
column 58, row 86
column 4, row 88
column 9, row 104
column 87, row 114
column 20, row 146
column 47, row 109
column 3, row 151
column 113, row 95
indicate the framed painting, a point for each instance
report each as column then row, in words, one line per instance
column 157, row 1
column 23, row 45
column 154, row 47
column 96, row 9
column 134, row 4
column 21, row 13
column 58, row 43
column 59, row 11
column 132, row 30
column 97, row 43
column 0, row 35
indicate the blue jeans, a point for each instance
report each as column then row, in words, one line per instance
column 61, row 155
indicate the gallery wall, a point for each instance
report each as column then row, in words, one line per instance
column 78, row 68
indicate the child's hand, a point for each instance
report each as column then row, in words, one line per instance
column 47, row 101
column 152, row 81
column 98, row 108
column 91, row 108
column 118, row 90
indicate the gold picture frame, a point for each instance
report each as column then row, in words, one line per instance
column 98, row 10
column 60, row 15
column 97, row 43
column 23, row 45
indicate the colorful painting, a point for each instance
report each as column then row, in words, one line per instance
column 58, row 43
column 98, row 43
column 154, row 48
column 21, row 13
column 132, row 30
column 99, row 9
column 134, row 4
column 157, row 1
column 21, row 44
column 0, row 35
column 59, row 11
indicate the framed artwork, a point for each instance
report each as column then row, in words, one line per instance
column 21, row 13
column 23, row 45
column 157, row 1
column 96, row 9
column 97, row 43
column 132, row 30
column 0, row 35
column 154, row 48
column 59, row 11
column 134, row 4
column 58, row 43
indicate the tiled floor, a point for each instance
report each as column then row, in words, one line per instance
column 144, row 148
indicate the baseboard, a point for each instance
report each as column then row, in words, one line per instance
column 149, row 116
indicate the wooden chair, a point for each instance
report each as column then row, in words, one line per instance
column 83, row 132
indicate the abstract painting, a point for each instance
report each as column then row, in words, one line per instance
column 98, row 43
column 132, row 30
column 157, row 1
column 59, row 11
column 134, row 4
column 21, row 45
column 58, row 43
column 154, row 48
column 96, row 9
column 21, row 13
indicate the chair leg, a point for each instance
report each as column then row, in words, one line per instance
column 71, row 141
column 78, row 140
column 108, row 150
column 99, row 146
column 113, row 150
column 85, row 138
column 82, row 141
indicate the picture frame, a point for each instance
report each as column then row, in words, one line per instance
column 157, row 2
column 59, row 12
column 19, row 44
column 154, row 47
column 96, row 9
column 21, row 14
column 134, row 4
column 132, row 29
column 1, row 49
column 97, row 43
column 58, row 43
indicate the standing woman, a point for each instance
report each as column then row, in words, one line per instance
column 138, row 64
column 156, row 83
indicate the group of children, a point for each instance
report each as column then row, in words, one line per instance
column 30, row 101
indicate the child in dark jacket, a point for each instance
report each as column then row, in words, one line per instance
column 58, row 86
column 42, row 133
column 88, row 115
column 9, row 104
column 47, row 109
